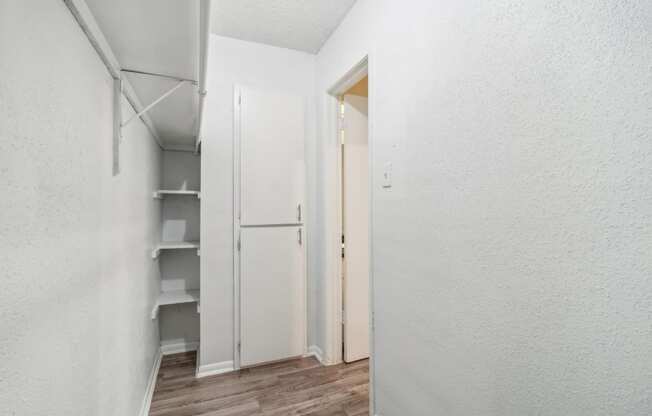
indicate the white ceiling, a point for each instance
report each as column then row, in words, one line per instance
column 160, row 36
column 295, row 24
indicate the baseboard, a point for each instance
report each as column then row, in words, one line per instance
column 167, row 349
column 215, row 369
column 151, row 385
column 315, row 351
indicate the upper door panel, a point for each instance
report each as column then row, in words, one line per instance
column 272, row 171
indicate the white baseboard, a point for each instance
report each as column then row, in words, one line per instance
column 315, row 351
column 167, row 349
column 151, row 384
column 215, row 369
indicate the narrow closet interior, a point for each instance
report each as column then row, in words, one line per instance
column 178, row 251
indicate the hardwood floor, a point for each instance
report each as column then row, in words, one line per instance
column 295, row 387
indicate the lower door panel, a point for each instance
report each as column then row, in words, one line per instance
column 272, row 294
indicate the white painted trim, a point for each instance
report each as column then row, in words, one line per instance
column 337, row 302
column 167, row 349
column 237, row 90
column 215, row 369
column 204, row 49
column 334, row 283
column 304, row 281
column 352, row 77
column 334, row 269
column 372, row 112
column 315, row 351
column 151, row 385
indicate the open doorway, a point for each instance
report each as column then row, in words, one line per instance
column 349, row 304
column 354, row 200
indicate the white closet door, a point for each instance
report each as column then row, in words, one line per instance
column 272, row 130
column 272, row 309
column 355, row 221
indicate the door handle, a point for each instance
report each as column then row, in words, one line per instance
column 299, row 212
column 300, row 237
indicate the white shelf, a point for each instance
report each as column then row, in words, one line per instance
column 175, row 245
column 175, row 297
column 162, row 192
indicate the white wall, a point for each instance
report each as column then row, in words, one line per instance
column 236, row 62
column 78, row 283
column 512, row 254
column 181, row 171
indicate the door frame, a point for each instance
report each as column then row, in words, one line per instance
column 236, row 225
column 237, row 90
column 334, row 300
column 349, row 171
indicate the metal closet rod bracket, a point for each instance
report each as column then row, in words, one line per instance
column 180, row 82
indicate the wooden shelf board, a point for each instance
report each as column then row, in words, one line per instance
column 171, row 245
column 174, row 245
column 175, row 297
column 162, row 192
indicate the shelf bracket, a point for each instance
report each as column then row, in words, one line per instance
column 155, row 102
column 157, row 195
column 117, row 123
column 155, row 312
column 155, row 253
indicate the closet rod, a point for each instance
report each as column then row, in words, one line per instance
column 154, row 74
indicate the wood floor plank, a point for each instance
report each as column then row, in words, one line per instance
column 299, row 387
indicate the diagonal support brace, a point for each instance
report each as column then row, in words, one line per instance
column 149, row 107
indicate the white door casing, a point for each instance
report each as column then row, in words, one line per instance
column 355, row 225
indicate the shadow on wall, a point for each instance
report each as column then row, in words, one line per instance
column 180, row 219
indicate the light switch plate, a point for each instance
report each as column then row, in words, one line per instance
column 387, row 175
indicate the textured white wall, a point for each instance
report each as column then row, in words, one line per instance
column 512, row 255
column 78, row 284
column 236, row 62
column 181, row 171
